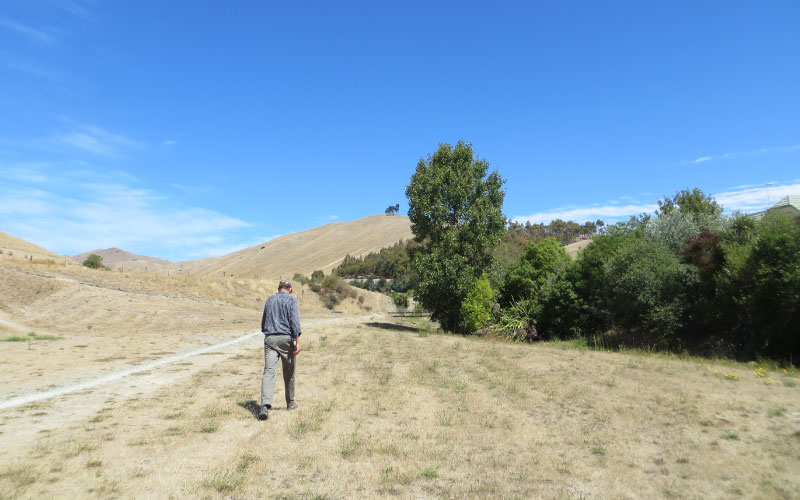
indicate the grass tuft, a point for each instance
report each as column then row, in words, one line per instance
column 20, row 476
column 225, row 481
column 429, row 473
column 209, row 427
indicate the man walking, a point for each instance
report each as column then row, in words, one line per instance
column 281, row 327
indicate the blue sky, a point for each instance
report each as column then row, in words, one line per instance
column 188, row 129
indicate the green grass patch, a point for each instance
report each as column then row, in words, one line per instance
column 209, row 427
column 225, row 481
column 429, row 473
column 31, row 337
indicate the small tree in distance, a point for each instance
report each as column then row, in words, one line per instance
column 392, row 210
column 94, row 261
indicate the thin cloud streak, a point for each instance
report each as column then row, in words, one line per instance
column 744, row 199
column 755, row 198
column 743, row 154
column 73, row 7
column 592, row 213
column 29, row 32
column 89, row 139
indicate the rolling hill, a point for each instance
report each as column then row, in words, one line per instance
column 303, row 252
column 116, row 258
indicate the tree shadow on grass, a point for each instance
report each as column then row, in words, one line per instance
column 392, row 326
column 252, row 406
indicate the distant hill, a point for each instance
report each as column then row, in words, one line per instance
column 319, row 248
column 17, row 248
column 573, row 248
column 116, row 258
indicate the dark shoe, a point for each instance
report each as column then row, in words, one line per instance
column 264, row 413
column 291, row 406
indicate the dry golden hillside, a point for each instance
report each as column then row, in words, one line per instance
column 573, row 248
column 15, row 248
column 319, row 248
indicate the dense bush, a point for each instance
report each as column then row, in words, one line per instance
column 688, row 279
column 93, row 261
column 540, row 262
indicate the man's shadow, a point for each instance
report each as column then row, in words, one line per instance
column 252, row 406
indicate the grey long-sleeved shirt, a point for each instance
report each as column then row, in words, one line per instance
column 281, row 316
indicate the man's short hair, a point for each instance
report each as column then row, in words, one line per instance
column 284, row 284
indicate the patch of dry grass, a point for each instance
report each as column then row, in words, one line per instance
column 385, row 412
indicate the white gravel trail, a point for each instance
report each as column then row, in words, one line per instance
column 149, row 365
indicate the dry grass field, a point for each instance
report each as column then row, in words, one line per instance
column 388, row 408
column 159, row 381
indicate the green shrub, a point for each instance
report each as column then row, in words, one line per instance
column 477, row 306
column 300, row 278
column 330, row 300
column 400, row 300
column 317, row 276
column 330, row 282
column 539, row 262
column 94, row 261
column 517, row 320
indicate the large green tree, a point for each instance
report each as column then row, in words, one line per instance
column 455, row 207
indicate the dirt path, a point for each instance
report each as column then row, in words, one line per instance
column 28, row 415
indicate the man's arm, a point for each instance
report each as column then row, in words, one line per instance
column 264, row 318
column 294, row 320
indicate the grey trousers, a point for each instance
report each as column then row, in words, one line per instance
column 276, row 346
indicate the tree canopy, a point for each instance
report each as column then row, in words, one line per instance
column 455, row 207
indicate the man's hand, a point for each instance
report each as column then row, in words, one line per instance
column 296, row 346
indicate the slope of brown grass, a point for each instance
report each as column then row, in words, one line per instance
column 319, row 248
column 389, row 410
column 573, row 248
column 13, row 249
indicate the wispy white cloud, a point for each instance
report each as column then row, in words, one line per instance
column 607, row 212
column 88, row 139
column 69, row 213
column 744, row 154
column 224, row 248
column 72, row 6
column 37, row 71
column 37, row 35
column 170, row 143
column 755, row 198
column 746, row 199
